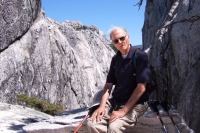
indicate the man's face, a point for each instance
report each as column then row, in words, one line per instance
column 120, row 40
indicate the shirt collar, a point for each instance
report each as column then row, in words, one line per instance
column 130, row 53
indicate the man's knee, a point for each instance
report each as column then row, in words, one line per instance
column 92, row 125
column 115, row 127
column 112, row 127
column 95, row 127
column 89, row 123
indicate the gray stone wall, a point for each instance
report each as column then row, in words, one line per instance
column 16, row 17
column 171, row 28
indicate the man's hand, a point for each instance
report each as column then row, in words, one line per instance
column 98, row 114
column 137, row 93
column 117, row 114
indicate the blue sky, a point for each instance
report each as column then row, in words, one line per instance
column 102, row 13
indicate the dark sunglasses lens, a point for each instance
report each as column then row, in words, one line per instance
column 122, row 38
column 115, row 41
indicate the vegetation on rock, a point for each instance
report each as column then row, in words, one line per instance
column 43, row 106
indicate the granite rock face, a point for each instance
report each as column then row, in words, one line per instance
column 14, row 117
column 64, row 63
column 19, row 119
column 172, row 29
column 16, row 18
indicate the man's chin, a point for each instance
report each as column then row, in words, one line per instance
column 124, row 48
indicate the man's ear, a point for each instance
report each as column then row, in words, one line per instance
column 128, row 37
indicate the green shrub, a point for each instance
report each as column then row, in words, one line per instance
column 43, row 106
column 113, row 47
column 81, row 27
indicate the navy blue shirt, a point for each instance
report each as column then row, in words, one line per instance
column 121, row 74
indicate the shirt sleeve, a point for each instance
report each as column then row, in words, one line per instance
column 111, row 74
column 143, row 72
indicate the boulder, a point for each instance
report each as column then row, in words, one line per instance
column 14, row 117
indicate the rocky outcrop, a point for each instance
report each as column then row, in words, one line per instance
column 62, row 63
column 19, row 119
column 171, row 28
column 14, row 117
column 67, row 123
column 16, row 18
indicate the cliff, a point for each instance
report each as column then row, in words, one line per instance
column 57, row 62
column 171, row 28
column 16, row 18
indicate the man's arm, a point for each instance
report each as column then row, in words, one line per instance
column 99, row 113
column 106, row 93
column 137, row 93
column 140, row 89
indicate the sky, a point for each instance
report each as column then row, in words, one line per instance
column 102, row 13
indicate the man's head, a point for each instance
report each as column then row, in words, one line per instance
column 120, row 39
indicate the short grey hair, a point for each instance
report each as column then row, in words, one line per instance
column 113, row 29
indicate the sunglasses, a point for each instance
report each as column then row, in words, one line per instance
column 117, row 40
